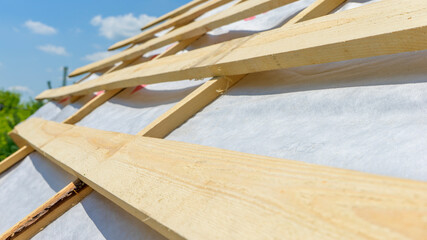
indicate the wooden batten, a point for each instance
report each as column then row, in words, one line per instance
column 381, row 28
column 174, row 13
column 233, row 14
column 180, row 20
column 276, row 198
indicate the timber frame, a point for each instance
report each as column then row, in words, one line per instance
column 354, row 198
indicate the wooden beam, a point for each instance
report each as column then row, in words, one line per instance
column 16, row 139
column 316, row 9
column 221, row 194
column 48, row 212
column 233, row 14
column 181, row 112
column 174, row 13
column 386, row 27
column 212, row 89
column 177, row 21
column 190, row 105
column 62, row 206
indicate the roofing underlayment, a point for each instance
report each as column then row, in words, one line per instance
column 367, row 114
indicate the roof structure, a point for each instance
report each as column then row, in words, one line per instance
column 256, row 119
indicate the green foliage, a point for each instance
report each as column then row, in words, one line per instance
column 12, row 112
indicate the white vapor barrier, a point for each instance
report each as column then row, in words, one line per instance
column 97, row 218
column 28, row 185
column 368, row 115
column 48, row 111
column 71, row 108
column 131, row 110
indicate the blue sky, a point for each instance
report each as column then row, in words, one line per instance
column 38, row 38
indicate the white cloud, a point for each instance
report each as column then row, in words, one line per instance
column 57, row 50
column 120, row 26
column 98, row 56
column 40, row 28
column 22, row 89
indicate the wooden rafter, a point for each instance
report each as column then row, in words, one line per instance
column 177, row 21
column 233, row 14
column 237, row 195
column 386, row 27
column 183, row 110
column 174, row 13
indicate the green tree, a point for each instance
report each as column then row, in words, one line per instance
column 12, row 112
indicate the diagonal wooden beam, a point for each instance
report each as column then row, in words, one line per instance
column 381, row 28
column 237, row 195
column 182, row 111
column 177, row 21
column 49, row 211
column 233, row 14
column 32, row 224
column 174, row 13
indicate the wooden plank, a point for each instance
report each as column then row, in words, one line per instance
column 174, row 13
column 212, row 89
column 381, row 28
column 202, row 192
column 62, row 206
column 316, row 9
column 177, row 21
column 48, row 212
column 233, row 14
column 189, row 106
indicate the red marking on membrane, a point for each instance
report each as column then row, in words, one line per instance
column 137, row 88
column 64, row 100
column 99, row 93
column 250, row 18
column 152, row 57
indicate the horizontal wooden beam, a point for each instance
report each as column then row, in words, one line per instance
column 177, row 21
column 386, row 27
column 199, row 192
column 174, row 13
column 197, row 28
column 48, row 212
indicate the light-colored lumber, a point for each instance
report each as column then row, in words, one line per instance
column 189, row 106
column 209, row 91
column 175, row 22
column 316, row 9
column 16, row 139
column 381, row 28
column 233, row 14
column 202, row 192
column 14, row 158
column 62, row 206
column 48, row 212
column 174, row 13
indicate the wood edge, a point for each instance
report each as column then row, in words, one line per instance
column 17, row 156
column 65, row 199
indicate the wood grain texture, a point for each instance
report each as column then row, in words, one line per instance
column 180, row 20
column 233, row 14
column 212, row 89
column 202, row 192
column 61, row 206
column 174, row 13
column 48, row 212
column 381, row 28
